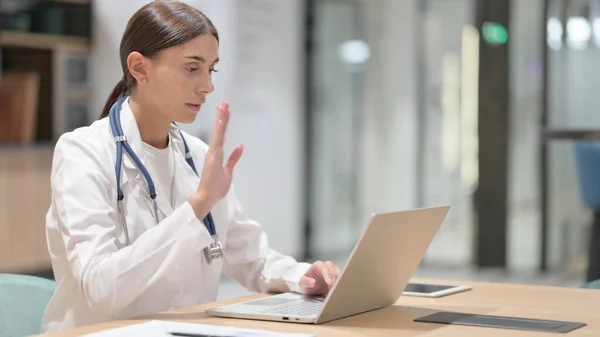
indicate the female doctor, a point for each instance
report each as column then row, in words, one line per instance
column 143, row 218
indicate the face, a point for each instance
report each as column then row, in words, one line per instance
column 178, row 79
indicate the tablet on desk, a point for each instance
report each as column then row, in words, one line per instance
column 433, row 290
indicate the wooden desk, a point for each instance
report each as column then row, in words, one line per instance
column 568, row 304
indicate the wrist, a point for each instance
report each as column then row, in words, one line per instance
column 200, row 204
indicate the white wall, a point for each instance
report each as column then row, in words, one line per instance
column 448, row 141
column 266, row 96
column 391, row 116
column 390, row 113
column 261, row 75
column 523, row 237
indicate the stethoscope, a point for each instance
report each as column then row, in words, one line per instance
column 215, row 249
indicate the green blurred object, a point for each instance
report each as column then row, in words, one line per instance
column 494, row 33
column 20, row 22
column 50, row 18
column 592, row 285
column 67, row 19
column 23, row 300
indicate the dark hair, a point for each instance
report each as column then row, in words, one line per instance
column 158, row 25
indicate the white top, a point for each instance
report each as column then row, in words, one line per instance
column 100, row 278
column 161, row 166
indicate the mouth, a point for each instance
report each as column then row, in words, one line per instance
column 194, row 107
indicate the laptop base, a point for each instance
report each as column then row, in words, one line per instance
column 266, row 309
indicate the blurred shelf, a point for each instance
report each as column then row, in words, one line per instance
column 582, row 134
column 25, row 147
column 43, row 41
column 75, row 2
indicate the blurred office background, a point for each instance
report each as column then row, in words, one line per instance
column 346, row 108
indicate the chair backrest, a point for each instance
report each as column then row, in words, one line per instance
column 592, row 285
column 23, row 300
column 587, row 158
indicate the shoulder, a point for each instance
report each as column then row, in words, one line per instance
column 85, row 145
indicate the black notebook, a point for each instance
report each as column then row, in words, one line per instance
column 501, row 322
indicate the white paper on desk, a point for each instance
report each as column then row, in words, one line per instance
column 164, row 328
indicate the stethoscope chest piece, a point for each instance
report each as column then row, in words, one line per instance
column 213, row 251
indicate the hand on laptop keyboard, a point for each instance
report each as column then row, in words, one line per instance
column 319, row 278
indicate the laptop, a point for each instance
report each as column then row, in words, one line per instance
column 382, row 262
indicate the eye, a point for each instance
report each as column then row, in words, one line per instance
column 191, row 69
column 213, row 70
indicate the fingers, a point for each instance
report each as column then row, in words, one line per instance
column 214, row 138
column 234, row 158
column 329, row 272
column 336, row 271
column 218, row 135
column 325, row 275
column 307, row 284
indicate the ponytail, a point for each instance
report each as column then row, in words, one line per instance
column 120, row 90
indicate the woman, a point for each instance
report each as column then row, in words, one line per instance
column 133, row 237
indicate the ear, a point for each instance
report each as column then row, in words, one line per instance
column 138, row 66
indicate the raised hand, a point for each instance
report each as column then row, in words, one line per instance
column 216, row 177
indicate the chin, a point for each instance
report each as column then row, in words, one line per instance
column 186, row 118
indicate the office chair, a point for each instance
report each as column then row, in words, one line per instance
column 23, row 300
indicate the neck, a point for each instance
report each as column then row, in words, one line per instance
column 154, row 131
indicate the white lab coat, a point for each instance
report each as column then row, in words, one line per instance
column 100, row 278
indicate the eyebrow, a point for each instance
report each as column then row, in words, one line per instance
column 200, row 58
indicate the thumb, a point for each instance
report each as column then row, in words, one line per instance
column 308, row 283
column 234, row 158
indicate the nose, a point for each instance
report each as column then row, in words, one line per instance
column 205, row 85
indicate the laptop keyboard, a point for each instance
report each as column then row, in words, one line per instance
column 305, row 307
